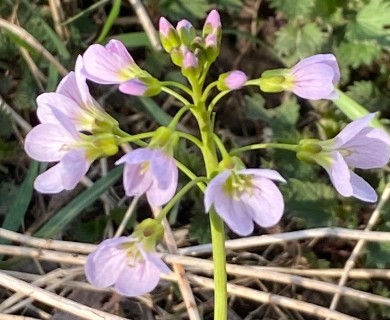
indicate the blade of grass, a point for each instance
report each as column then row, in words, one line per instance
column 115, row 9
column 133, row 39
column 81, row 13
column 155, row 111
column 19, row 206
column 64, row 216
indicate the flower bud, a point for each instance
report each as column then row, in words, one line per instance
column 190, row 64
column 232, row 80
column 186, row 31
column 168, row 35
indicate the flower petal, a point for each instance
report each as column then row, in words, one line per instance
column 267, row 202
column 314, row 82
column 214, row 188
column 47, row 102
column 50, row 181
column 327, row 59
column 339, row 174
column 75, row 166
column 137, row 280
column 369, row 149
column 352, row 129
column 48, row 142
column 134, row 87
column 104, row 265
column 361, row 189
column 106, row 64
column 265, row 173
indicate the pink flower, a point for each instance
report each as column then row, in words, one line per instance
column 72, row 97
column 111, row 64
column 150, row 171
column 246, row 196
column 126, row 265
column 314, row 77
column 213, row 21
column 60, row 142
column 357, row 146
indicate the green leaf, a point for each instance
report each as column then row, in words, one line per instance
column 281, row 119
column 367, row 94
column 371, row 22
column 293, row 9
column 297, row 42
column 356, row 53
column 312, row 202
column 64, row 216
column 89, row 232
column 378, row 255
column 21, row 201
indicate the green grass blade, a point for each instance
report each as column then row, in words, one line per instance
column 133, row 39
column 64, row 216
column 19, row 206
column 116, row 7
column 155, row 111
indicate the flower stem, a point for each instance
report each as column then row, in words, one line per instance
column 178, row 96
column 136, row 137
column 177, row 197
column 177, row 85
column 284, row 146
column 216, row 224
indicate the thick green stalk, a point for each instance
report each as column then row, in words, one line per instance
column 216, row 223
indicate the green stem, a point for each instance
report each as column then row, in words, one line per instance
column 178, row 96
column 177, row 197
column 208, row 89
column 221, row 147
column 178, row 116
column 177, row 85
column 191, row 138
column 136, row 137
column 216, row 223
column 218, row 97
column 284, row 146
column 190, row 175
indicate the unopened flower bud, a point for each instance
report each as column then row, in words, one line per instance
column 168, row 35
column 186, row 31
column 190, row 64
column 232, row 80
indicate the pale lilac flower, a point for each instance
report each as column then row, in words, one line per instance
column 246, row 196
column 232, row 80
column 49, row 142
column 357, row 146
column 150, row 171
column 111, row 64
column 124, row 264
column 72, row 97
column 314, row 77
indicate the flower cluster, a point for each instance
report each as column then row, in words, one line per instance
column 75, row 130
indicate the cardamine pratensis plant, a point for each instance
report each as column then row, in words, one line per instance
column 75, row 131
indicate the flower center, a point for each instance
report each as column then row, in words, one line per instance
column 238, row 184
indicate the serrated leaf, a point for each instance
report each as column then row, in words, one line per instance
column 371, row 22
column 282, row 119
column 368, row 95
column 313, row 202
column 356, row 53
column 297, row 42
column 293, row 9
column 378, row 255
